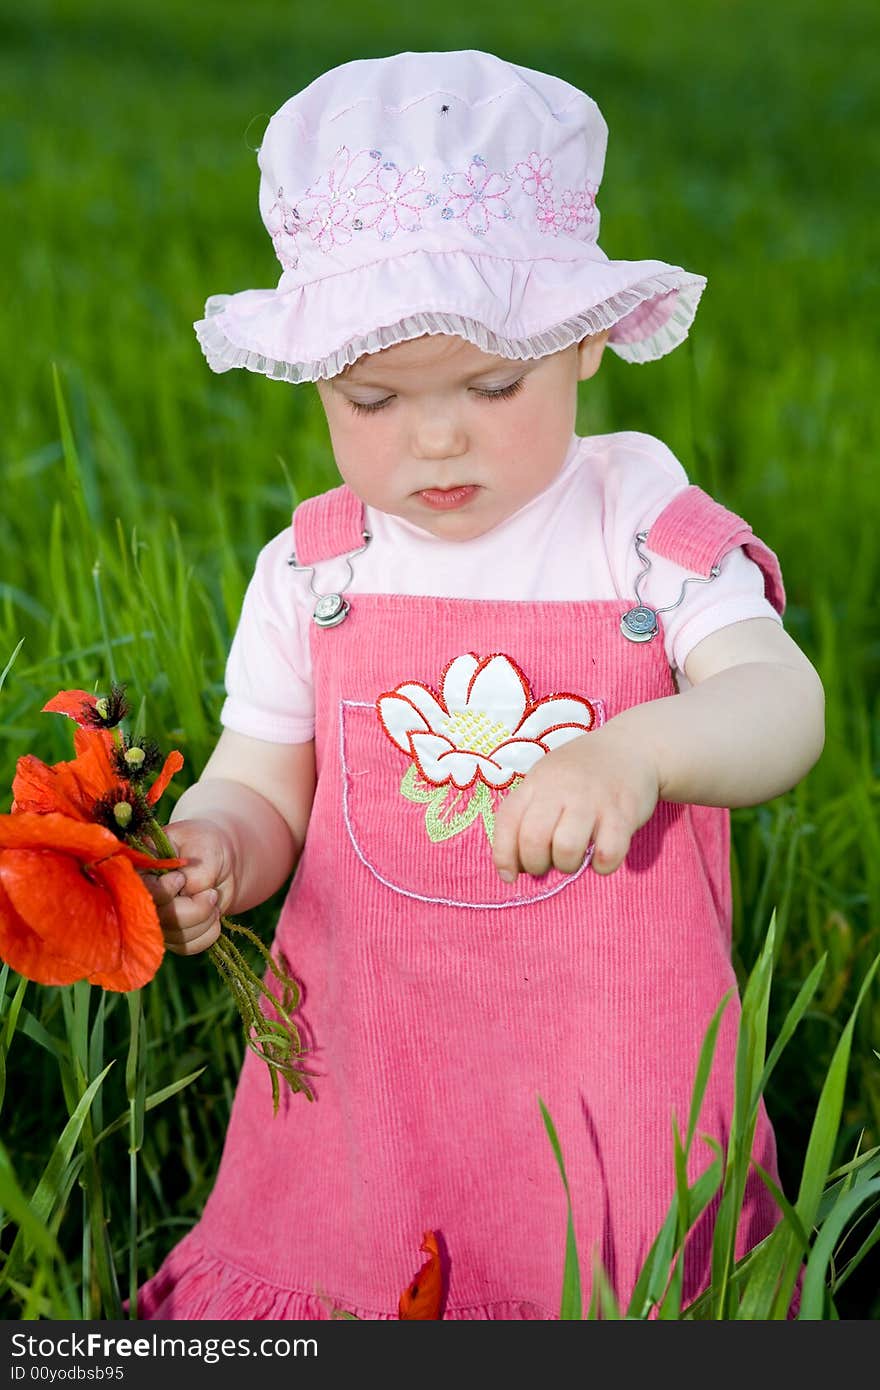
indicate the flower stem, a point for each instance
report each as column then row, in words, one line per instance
column 275, row 1039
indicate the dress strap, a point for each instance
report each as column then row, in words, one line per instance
column 696, row 532
column 333, row 523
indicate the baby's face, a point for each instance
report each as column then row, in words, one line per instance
column 450, row 438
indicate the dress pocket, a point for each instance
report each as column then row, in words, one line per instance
column 426, row 840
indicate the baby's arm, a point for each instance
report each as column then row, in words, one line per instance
column 749, row 729
column 241, row 826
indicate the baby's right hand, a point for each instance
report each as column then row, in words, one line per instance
column 189, row 901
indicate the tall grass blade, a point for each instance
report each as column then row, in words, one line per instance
column 8, row 667
column 46, row 1194
column 820, row 1147
column 15, row 1204
column 43, row 1241
column 792, row 1019
column 603, row 1300
column 750, row 1054
column 654, row 1274
column 571, row 1304
column 10, row 1017
column 670, row 1307
column 72, row 466
column 867, row 1245
column 150, row 1103
column 814, row 1292
column 135, row 1089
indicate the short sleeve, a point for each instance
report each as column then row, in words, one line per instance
column 646, row 477
column 269, row 692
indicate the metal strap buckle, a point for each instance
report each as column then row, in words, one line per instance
column 640, row 624
column 331, row 609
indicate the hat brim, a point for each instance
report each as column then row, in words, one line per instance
column 516, row 309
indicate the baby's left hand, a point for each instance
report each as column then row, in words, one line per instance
column 598, row 788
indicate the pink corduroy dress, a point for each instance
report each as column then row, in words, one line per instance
column 439, row 1004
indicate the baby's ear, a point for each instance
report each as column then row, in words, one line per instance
column 590, row 354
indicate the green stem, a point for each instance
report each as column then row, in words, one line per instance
column 275, row 1040
column 243, row 970
column 161, row 840
column 135, row 1086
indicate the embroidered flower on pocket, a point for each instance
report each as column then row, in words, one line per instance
column 478, row 737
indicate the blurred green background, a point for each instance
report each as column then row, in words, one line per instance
column 743, row 144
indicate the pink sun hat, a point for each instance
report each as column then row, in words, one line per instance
column 439, row 193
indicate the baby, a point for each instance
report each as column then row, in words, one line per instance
column 491, row 698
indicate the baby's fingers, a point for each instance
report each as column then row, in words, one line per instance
column 611, row 843
column 163, row 887
column 190, row 925
column 535, row 838
column 505, row 840
column 193, row 940
column 570, row 840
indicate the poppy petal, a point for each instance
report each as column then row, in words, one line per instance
column 72, row 703
column 141, row 941
column 26, row 831
column 422, row 1300
column 28, row 953
column 71, row 788
column 72, row 904
column 84, row 839
column 92, row 768
column 65, row 903
column 37, row 787
column 84, row 739
column 173, row 763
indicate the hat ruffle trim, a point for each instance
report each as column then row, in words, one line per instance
column 647, row 321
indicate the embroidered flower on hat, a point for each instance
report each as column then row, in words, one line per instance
column 364, row 192
column 327, row 205
column 578, row 206
column 395, row 201
column 534, row 174
column 549, row 217
column 477, row 195
column 479, row 737
column 576, row 211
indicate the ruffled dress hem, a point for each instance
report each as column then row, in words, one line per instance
column 194, row 1284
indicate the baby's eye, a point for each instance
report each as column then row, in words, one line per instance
column 504, row 392
column 368, row 409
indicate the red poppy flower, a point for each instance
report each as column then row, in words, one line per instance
column 73, row 787
column 69, row 787
column 72, row 905
column 422, row 1300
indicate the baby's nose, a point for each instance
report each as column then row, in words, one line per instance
column 438, row 436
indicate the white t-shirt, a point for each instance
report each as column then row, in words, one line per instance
column 575, row 540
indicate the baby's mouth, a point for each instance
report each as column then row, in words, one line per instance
column 448, row 498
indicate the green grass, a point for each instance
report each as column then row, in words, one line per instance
column 137, row 486
column 808, row 1243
